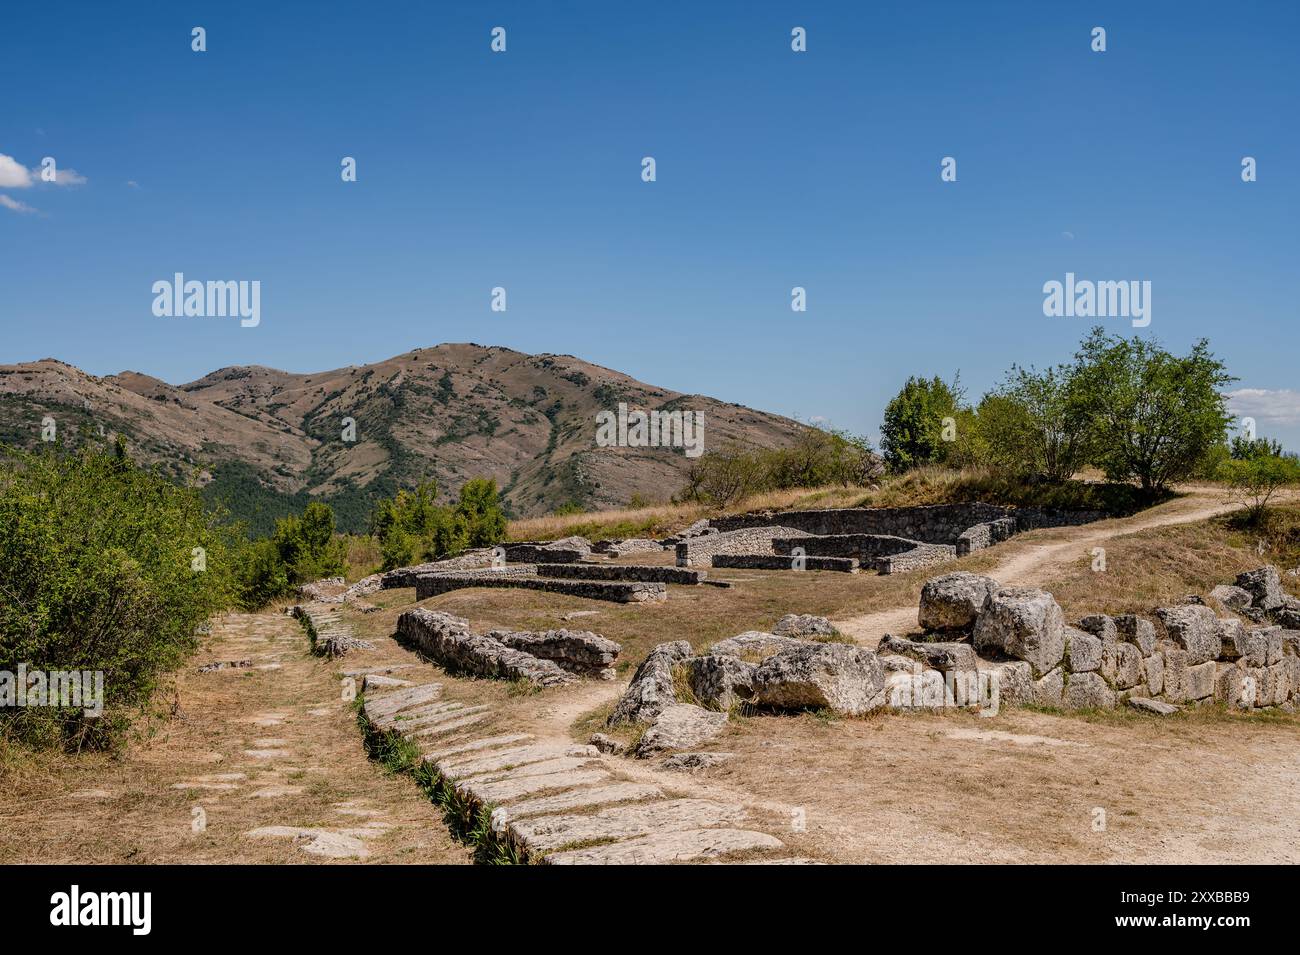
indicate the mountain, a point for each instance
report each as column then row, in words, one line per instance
column 264, row 442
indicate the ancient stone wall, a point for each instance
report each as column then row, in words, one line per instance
column 430, row 585
column 755, row 539
column 663, row 575
column 449, row 642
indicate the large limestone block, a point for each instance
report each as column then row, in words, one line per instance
column 1023, row 623
column 846, row 679
column 1153, row 672
column 1122, row 665
column 1083, row 651
column 1195, row 628
column 549, row 833
column 680, row 726
column 719, row 682
column 1234, row 598
column 1198, row 684
column 1050, row 689
column 1135, row 630
column 1015, row 680
column 939, row 655
column 1088, row 691
column 802, row 626
column 667, row 847
column 1264, row 585
column 651, row 688
column 954, row 601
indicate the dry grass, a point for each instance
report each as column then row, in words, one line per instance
column 929, row 485
column 661, row 520
column 1158, row 567
column 101, row 808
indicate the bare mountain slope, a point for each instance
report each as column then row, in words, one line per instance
column 264, row 440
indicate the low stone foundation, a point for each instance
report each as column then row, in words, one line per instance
column 430, row 585
column 407, row 576
column 748, row 540
column 449, row 642
column 624, row 572
column 922, row 555
column 846, row 565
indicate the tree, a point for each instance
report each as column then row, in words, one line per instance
column 1244, row 448
column 480, row 510
column 1254, row 480
column 412, row 527
column 1156, row 415
column 1037, row 423
column 912, row 433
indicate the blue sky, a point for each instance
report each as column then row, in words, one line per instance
column 775, row 169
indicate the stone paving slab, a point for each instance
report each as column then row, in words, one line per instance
column 551, row 832
column 581, row 799
column 443, row 728
column 515, row 756
column 665, row 847
column 476, row 745
column 507, row 789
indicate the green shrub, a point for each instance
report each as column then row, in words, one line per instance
column 104, row 566
column 411, row 527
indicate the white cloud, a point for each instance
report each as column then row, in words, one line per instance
column 14, row 204
column 1275, row 406
column 68, row 177
column 13, row 174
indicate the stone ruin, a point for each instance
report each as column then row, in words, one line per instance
column 549, row 658
column 887, row 540
column 983, row 646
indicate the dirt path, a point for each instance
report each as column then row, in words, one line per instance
column 1029, row 559
column 259, row 763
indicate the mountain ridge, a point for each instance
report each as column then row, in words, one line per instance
column 263, row 441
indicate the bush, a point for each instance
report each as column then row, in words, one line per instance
column 104, row 566
column 912, row 433
column 1255, row 480
column 411, row 527
column 817, row 458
